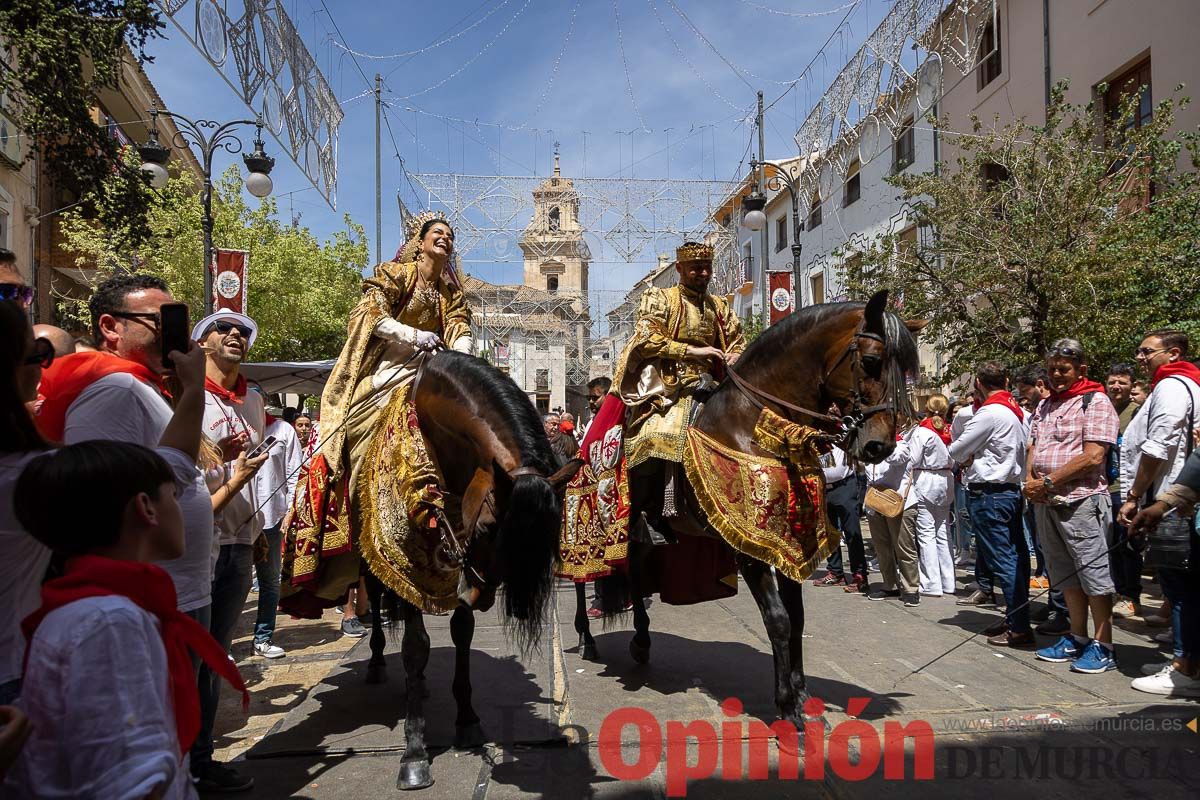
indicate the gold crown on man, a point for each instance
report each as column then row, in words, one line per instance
column 693, row 251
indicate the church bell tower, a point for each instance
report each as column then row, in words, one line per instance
column 556, row 256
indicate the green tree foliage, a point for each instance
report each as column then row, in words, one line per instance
column 61, row 54
column 301, row 290
column 1041, row 232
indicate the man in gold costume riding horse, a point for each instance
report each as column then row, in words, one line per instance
column 410, row 307
column 683, row 338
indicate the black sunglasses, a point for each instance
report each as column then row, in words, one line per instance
column 43, row 354
column 1072, row 353
column 224, row 326
column 17, row 291
column 150, row 315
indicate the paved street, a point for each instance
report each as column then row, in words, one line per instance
column 318, row 731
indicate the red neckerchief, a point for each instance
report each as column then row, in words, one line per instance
column 68, row 376
column 270, row 419
column 233, row 396
column 150, row 588
column 943, row 433
column 1003, row 397
column 1078, row 388
column 1182, row 369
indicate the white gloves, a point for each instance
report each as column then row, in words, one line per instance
column 427, row 340
column 388, row 328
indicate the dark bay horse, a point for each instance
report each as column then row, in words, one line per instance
column 855, row 355
column 491, row 450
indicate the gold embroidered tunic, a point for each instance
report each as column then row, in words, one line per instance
column 370, row 366
column 656, row 378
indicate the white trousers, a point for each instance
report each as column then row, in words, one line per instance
column 935, row 562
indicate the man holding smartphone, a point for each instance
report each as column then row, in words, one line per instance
column 235, row 422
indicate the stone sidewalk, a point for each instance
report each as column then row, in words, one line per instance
column 999, row 718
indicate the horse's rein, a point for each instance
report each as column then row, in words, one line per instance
column 847, row 423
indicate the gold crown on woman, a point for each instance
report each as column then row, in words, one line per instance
column 693, row 251
column 412, row 225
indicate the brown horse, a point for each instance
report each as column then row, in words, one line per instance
column 855, row 355
column 491, row 450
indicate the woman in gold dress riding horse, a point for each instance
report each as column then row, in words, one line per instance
column 409, row 308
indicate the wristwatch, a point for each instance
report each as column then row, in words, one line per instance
column 1049, row 484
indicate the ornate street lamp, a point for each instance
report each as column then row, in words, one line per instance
column 219, row 136
column 754, row 218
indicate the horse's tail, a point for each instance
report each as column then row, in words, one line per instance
column 614, row 596
column 527, row 546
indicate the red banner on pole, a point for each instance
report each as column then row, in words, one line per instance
column 782, row 298
column 229, row 280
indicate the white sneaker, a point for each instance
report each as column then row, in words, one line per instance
column 1155, row 667
column 1124, row 608
column 1168, row 681
column 268, row 650
column 1166, row 637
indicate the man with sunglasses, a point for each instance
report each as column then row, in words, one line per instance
column 12, row 282
column 235, row 421
column 1153, row 451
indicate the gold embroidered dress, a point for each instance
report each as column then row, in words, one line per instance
column 372, row 374
column 654, row 376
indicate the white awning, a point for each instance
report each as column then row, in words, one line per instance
column 292, row 377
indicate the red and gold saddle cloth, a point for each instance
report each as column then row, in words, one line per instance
column 389, row 520
column 770, row 508
column 595, row 533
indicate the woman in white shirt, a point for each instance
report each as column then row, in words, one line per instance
column 891, row 538
column 931, row 492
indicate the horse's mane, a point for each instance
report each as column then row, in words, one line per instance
column 900, row 346
column 527, row 540
column 496, row 396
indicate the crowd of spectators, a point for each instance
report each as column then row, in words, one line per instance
column 118, row 607
column 1051, row 467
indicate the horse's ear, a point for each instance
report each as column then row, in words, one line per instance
column 915, row 325
column 561, row 478
column 873, row 313
column 502, row 482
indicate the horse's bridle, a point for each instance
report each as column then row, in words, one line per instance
column 459, row 552
column 857, row 414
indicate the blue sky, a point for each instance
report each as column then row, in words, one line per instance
column 509, row 73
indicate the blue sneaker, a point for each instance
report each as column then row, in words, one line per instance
column 1065, row 649
column 1094, row 658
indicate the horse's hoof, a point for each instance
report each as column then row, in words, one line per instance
column 414, row 775
column 640, row 653
column 589, row 652
column 469, row 737
column 376, row 674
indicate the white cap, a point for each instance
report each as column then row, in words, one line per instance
column 233, row 316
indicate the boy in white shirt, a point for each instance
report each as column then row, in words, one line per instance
column 109, row 685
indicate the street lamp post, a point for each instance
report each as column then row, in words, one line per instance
column 210, row 137
column 754, row 218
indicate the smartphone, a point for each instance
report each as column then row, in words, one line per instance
column 173, row 330
column 263, row 446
